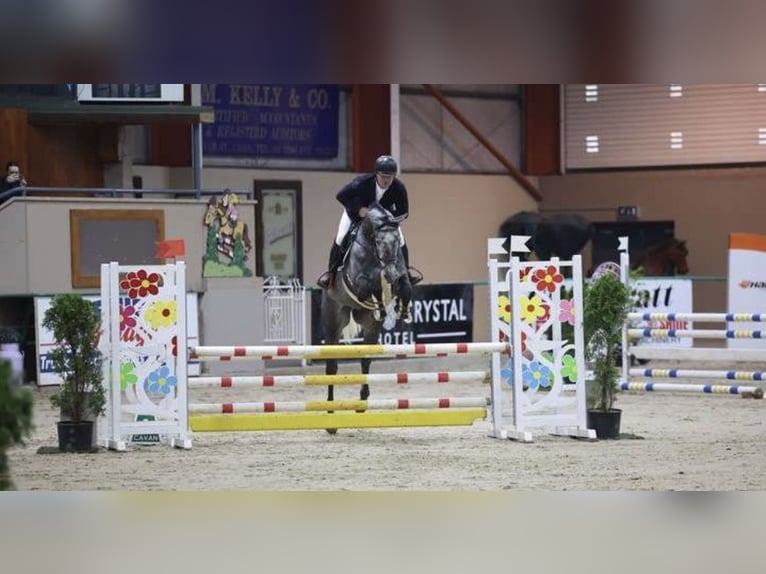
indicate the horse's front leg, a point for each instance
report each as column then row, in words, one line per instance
column 404, row 299
column 331, row 368
column 364, row 392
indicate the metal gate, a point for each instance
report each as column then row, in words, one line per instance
column 284, row 303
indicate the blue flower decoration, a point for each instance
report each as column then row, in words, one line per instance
column 160, row 381
column 507, row 373
column 535, row 374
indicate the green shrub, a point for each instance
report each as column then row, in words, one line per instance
column 75, row 323
column 15, row 420
column 607, row 302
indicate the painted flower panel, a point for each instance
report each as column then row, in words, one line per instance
column 127, row 376
column 532, row 309
column 535, row 375
column 139, row 284
column 567, row 311
column 569, row 368
column 161, row 314
column 504, row 309
column 160, row 381
column 506, row 373
column 548, row 279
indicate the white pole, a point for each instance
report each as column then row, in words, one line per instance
column 395, row 128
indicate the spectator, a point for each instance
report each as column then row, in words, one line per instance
column 13, row 177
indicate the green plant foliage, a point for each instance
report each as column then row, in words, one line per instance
column 211, row 245
column 607, row 302
column 15, row 420
column 75, row 322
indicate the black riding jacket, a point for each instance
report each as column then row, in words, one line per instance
column 361, row 193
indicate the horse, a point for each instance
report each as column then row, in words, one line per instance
column 664, row 258
column 561, row 235
column 372, row 281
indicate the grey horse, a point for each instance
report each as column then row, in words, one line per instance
column 373, row 277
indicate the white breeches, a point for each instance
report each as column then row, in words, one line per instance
column 345, row 225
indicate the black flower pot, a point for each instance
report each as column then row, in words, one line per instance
column 75, row 436
column 605, row 423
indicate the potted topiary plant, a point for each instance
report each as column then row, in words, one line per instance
column 75, row 323
column 606, row 304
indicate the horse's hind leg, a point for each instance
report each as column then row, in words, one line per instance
column 370, row 331
column 334, row 319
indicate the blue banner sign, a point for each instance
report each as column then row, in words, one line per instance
column 272, row 120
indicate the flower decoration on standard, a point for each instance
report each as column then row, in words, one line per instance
column 567, row 311
column 160, row 381
column 504, row 309
column 535, row 374
column 127, row 376
column 569, row 368
column 533, row 309
column 548, row 279
column 506, row 373
column 139, row 284
column 161, row 314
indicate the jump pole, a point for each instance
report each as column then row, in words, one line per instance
column 337, row 420
column 744, row 391
column 228, row 353
column 698, row 374
column 341, row 405
column 342, row 379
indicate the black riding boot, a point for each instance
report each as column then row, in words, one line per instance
column 336, row 258
column 415, row 276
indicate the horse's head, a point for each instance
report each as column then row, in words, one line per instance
column 678, row 253
column 381, row 229
column 667, row 257
column 211, row 213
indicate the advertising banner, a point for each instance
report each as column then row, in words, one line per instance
column 441, row 313
column 272, row 120
column 659, row 295
column 747, row 284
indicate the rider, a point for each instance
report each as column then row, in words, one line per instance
column 383, row 187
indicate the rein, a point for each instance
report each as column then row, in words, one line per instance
column 364, row 242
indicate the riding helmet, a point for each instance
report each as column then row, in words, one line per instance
column 386, row 164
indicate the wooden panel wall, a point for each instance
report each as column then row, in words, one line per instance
column 371, row 124
column 69, row 156
column 13, row 138
column 171, row 144
column 541, row 129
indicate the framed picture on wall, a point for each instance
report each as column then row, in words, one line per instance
column 128, row 236
column 279, row 224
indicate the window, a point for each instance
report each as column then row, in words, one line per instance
column 654, row 125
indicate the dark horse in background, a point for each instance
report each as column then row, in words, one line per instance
column 561, row 235
column 665, row 258
column 373, row 277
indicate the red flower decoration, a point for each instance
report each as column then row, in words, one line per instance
column 140, row 284
column 127, row 320
column 547, row 279
column 174, row 342
column 504, row 337
column 546, row 313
